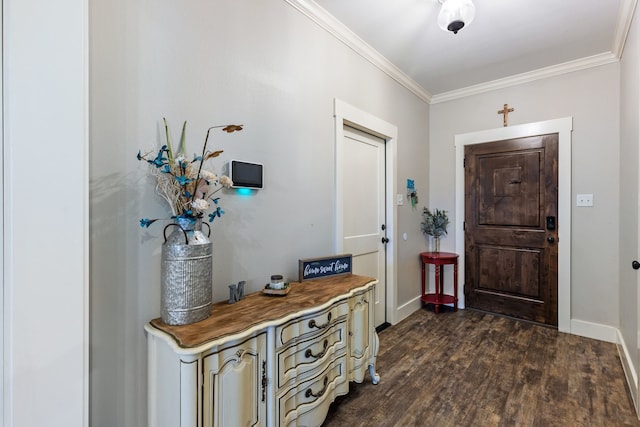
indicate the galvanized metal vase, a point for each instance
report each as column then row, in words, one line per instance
column 187, row 273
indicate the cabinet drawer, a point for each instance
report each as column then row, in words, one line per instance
column 309, row 324
column 307, row 403
column 297, row 360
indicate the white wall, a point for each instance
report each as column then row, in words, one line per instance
column 261, row 64
column 45, row 213
column 591, row 97
column 629, row 161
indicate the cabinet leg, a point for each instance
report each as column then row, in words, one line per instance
column 375, row 378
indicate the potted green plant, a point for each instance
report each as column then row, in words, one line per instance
column 434, row 224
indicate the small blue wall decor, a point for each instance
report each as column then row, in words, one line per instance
column 412, row 193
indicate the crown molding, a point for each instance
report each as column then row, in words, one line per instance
column 542, row 73
column 625, row 15
column 329, row 23
column 336, row 28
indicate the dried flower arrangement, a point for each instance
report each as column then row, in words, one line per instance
column 186, row 185
column 434, row 223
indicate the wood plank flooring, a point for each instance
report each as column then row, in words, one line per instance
column 469, row 368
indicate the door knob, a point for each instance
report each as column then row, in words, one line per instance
column 551, row 239
column 385, row 240
column 635, row 264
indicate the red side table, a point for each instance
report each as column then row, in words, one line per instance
column 439, row 260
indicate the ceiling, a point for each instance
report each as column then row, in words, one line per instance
column 508, row 41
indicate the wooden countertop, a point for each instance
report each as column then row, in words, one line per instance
column 257, row 308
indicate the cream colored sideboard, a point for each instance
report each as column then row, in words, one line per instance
column 265, row 360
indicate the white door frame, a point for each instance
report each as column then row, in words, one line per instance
column 346, row 114
column 563, row 128
column 2, row 289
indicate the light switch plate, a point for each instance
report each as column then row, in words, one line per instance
column 399, row 199
column 584, row 200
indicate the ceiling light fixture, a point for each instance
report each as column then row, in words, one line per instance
column 455, row 14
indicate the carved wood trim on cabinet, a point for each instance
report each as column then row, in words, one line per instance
column 276, row 360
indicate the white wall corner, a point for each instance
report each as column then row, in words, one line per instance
column 595, row 331
column 627, row 365
column 407, row 309
column 625, row 16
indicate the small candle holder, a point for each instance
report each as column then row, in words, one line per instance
column 276, row 282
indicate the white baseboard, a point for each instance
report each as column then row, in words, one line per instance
column 581, row 328
column 629, row 371
column 596, row 331
column 406, row 309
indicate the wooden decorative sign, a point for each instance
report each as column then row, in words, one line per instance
column 315, row 268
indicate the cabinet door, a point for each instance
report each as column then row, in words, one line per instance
column 361, row 330
column 234, row 391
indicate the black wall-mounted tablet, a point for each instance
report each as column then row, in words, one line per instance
column 245, row 174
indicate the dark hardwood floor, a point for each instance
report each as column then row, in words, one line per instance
column 469, row 368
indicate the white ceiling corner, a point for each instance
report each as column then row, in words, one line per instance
column 507, row 43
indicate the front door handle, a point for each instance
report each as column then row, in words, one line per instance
column 635, row 264
column 385, row 240
column 551, row 239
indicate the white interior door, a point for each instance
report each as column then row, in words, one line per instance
column 636, row 286
column 634, row 165
column 363, row 186
column 2, row 291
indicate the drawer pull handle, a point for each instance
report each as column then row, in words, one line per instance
column 264, row 380
column 313, row 324
column 309, row 353
column 310, row 393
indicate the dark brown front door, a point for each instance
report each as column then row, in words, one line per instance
column 511, row 228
